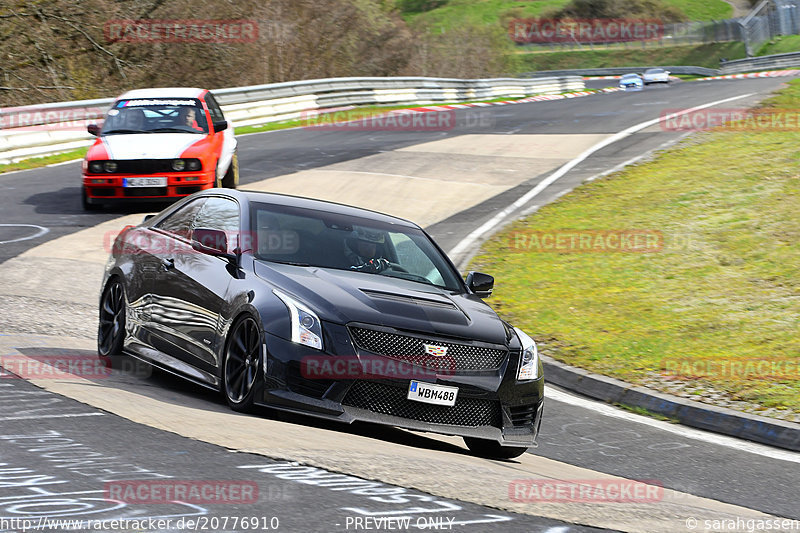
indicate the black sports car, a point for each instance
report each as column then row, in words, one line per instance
column 325, row 309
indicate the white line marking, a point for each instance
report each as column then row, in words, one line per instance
column 42, row 231
column 64, row 163
column 639, row 157
column 677, row 429
column 72, row 415
column 549, row 180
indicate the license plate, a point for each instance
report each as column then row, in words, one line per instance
column 144, row 182
column 429, row 393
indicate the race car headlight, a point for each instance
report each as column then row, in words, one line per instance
column 529, row 360
column 96, row 167
column 193, row 164
column 110, row 166
column 178, row 165
column 306, row 327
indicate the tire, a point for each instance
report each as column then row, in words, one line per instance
column 241, row 364
column 231, row 178
column 491, row 449
column 85, row 201
column 111, row 330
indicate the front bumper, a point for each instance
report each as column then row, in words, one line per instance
column 492, row 406
column 107, row 189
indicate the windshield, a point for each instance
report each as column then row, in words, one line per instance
column 307, row 237
column 156, row 115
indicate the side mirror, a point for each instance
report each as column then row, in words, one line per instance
column 94, row 129
column 211, row 242
column 148, row 217
column 481, row 284
column 220, row 126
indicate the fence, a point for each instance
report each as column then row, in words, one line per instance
column 41, row 132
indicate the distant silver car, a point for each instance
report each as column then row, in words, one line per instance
column 655, row 75
column 631, row 81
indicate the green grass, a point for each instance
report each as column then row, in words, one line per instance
column 726, row 287
column 36, row 162
column 703, row 55
column 479, row 12
column 703, row 9
column 780, row 45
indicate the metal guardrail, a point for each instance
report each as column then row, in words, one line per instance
column 39, row 130
column 737, row 66
column 753, row 64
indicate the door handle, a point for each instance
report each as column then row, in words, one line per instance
column 168, row 264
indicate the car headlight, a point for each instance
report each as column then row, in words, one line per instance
column 306, row 327
column 193, row 164
column 95, row 167
column 110, row 166
column 178, row 164
column 529, row 360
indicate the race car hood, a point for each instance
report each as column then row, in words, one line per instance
column 149, row 145
column 343, row 296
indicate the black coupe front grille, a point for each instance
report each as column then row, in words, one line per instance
column 388, row 400
column 408, row 348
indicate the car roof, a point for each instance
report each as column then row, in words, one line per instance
column 163, row 92
column 310, row 203
column 631, row 75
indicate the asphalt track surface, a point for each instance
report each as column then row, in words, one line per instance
column 50, row 198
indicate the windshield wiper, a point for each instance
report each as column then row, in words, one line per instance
column 175, row 130
column 123, row 131
column 293, row 263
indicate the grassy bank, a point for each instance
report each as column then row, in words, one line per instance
column 703, row 55
column 714, row 311
column 456, row 13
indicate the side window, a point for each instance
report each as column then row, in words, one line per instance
column 180, row 223
column 214, row 109
column 220, row 214
column 413, row 259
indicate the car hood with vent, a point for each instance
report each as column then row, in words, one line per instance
column 344, row 297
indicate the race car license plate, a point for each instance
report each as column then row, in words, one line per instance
column 429, row 393
column 144, row 182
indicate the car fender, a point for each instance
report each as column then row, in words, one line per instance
column 226, row 151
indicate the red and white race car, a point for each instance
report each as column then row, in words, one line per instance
column 159, row 144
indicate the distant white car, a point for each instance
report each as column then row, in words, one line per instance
column 655, row 75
